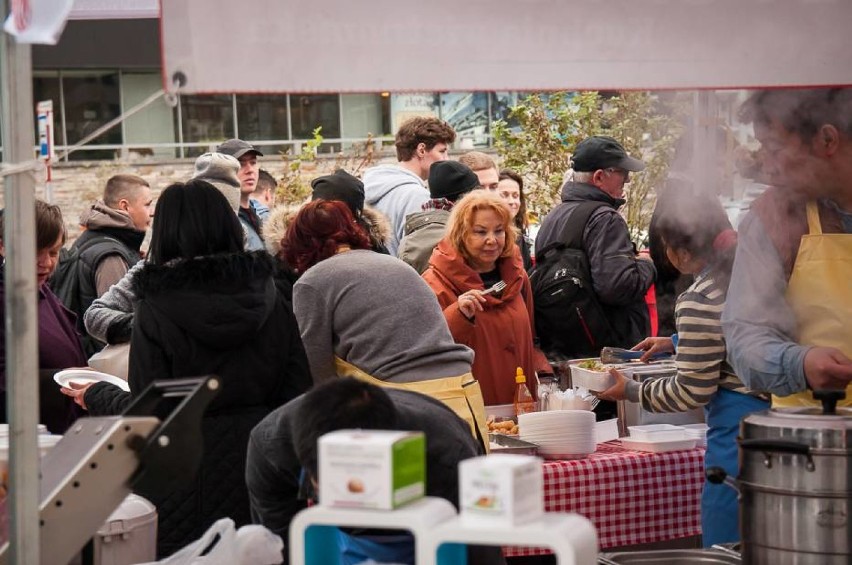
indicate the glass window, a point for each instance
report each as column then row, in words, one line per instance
column 363, row 115
column 467, row 112
column 406, row 106
column 46, row 87
column 263, row 118
column 91, row 100
column 208, row 119
column 309, row 111
column 154, row 123
column 501, row 103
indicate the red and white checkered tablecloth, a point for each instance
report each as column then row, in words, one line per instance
column 631, row 497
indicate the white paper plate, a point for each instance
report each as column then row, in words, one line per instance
column 84, row 376
column 658, row 446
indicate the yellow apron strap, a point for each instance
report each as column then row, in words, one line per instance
column 461, row 394
column 814, row 225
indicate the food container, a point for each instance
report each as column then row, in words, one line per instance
column 794, row 484
column 656, row 432
column 606, row 430
column 670, row 557
column 503, row 444
column 632, row 413
column 659, row 446
column 501, row 490
column 375, row 469
column 129, row 535
column 592, row 379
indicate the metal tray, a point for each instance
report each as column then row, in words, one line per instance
column 510, row 444
column 670, row 557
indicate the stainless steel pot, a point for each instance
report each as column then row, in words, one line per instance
column 795, row 484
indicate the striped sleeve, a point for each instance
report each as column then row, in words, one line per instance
column 700, row 353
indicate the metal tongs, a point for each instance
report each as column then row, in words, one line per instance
column 615, row 355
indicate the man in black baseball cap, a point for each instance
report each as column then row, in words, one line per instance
column 247, row 155
column 602, row 152
column 588, row 220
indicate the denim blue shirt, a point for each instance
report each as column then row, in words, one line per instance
column 760, row 328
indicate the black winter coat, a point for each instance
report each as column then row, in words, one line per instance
column 620, row 280
column 212, row 315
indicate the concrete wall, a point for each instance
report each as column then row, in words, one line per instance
column 75, row 185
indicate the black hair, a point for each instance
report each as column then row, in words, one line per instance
column 339, row 404
column 193, row 219
column 693, row 222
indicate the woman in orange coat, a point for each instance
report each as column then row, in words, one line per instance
column 477, row 252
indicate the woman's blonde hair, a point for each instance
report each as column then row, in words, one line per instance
column 461, row 220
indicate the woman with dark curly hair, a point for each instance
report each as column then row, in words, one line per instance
column 364, row 308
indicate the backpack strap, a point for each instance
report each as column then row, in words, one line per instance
column 571, row 236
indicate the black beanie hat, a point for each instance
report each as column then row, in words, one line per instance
column 340, row 186
column 451, row 180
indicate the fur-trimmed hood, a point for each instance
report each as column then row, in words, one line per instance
column 222, row 300
column 379, row 228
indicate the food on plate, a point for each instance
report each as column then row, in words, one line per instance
column 592, row 365
column 485, row 502
column 355, row 486
column 507, row 427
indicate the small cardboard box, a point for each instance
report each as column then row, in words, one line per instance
column 501, row 490
column 371, row 468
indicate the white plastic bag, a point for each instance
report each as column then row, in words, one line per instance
column 250, row 545
column 112, row 360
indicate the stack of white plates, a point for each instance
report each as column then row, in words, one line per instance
column 697, row 431
column 560, row 434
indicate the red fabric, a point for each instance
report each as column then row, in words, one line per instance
column 630, row 497
column 651, row 301
column 502, row 335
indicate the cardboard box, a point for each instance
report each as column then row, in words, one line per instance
column 371, row 468
column 501, row 490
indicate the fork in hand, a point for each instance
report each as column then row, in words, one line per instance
column 496, row 289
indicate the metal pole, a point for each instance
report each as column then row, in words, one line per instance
column 21, row 315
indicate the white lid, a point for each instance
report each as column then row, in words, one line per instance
column 4, row 429
column 134, row 506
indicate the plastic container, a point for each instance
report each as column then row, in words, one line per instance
column 592, row 380
column 657, row 432
column 606, row 430
column 524, row 401
column 658, row 446
column 129, row 535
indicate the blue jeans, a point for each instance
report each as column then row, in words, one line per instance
column 719, row 506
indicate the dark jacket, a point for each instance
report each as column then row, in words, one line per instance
column 59, row 348
column 212, row 315
column 620, row 280
column 273, row 471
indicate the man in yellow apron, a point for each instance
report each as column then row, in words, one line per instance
column 788, row 318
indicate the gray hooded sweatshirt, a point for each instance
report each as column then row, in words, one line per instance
column 396, row 192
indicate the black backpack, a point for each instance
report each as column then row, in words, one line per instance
column 569, row 320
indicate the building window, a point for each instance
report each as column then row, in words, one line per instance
column 467, row 112
column 208, row 119
column 91, row 100
column 263, row 118
column 309, row 111
column 46, row 87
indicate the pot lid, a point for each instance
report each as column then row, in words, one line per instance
column 826, row 418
